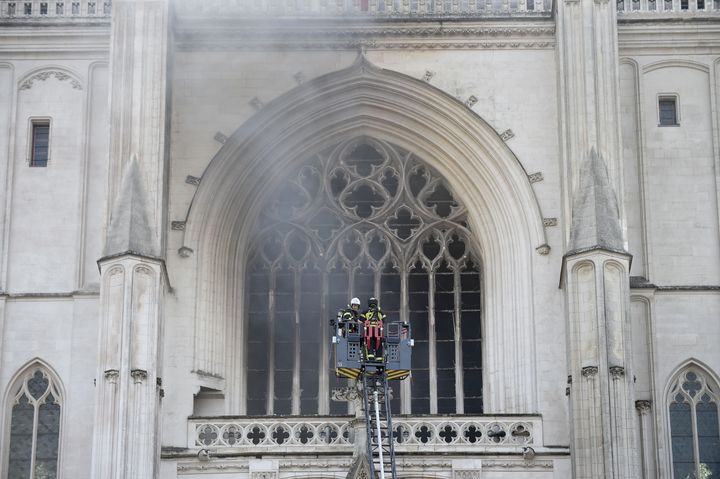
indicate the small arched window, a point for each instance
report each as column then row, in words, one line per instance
column 35, row 406
column 694, row 425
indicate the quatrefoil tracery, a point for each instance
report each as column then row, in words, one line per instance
column 363, row 202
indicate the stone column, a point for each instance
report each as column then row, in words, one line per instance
column 596, row 282
column 138, row 101
column 588, row 81
column 644, row 409
column 133, row 282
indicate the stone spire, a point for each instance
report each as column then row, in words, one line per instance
column 129, row 230
column 595, row 214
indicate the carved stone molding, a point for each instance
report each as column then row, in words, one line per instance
column 617, row 372
column 471, row 101
column 299, row 78
column 44, row 75
column 256, row 103
column 428, row 75
column 313, row 464
column 469, row 474
column 491, row 465
column 507, row 134
column 589, row 371
column 535, row 177
column 226, row 467
column 138, row 375
column 112, row 376
column 643, row 406
column 550, row 222
column 220, row 138
column 543, row 249
column 345, row 394
column 263, row 475
column 177, row 225
column 393, row 36
column 144, row 270
column 185, row 252
column 192, row 180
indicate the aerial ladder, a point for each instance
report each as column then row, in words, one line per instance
column 374, row 373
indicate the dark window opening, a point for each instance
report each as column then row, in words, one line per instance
column 40, row 143
column 364, row 220
column 667, row 107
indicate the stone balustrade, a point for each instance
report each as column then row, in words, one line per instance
column 58, row 10
column 628, row 8
column 360, row 8
column 334, row 434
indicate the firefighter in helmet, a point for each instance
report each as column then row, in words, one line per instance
column 348, row 318
column 373, row 332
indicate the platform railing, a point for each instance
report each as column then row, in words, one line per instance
column 37, row 10
column 303, row 434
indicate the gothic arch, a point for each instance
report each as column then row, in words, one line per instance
column 466, row 151
column 708, row 381
column 5, row 415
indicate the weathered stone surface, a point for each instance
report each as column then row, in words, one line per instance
column 129, row 230
column 595, row 214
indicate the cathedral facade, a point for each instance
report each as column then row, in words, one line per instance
column 191, row 190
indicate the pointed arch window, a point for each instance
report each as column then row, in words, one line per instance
column 694, row 425
column 35, row 408
column 363, row 218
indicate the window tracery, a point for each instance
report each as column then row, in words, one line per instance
column 34, row 427
column 694, row 425
column 363, row 218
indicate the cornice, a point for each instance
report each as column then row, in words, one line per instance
column 323, row 35
column 56, row 39
column 653, row 36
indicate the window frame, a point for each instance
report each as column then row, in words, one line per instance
column 8, row 399
column 34, row 121
column 707, row 378
column 472, row 254
column 666, row 97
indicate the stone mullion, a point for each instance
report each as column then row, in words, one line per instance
column 296, row 351
column 696, row 440
column 405, row 387
column 270, row 397
column 324, row 379
column 33, row 446
column 432, row 349
column 457, row 332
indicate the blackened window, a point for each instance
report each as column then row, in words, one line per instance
column 34, row 427
column 694, row 425
column 364, row 218
column 40, row 143
column 667, row 107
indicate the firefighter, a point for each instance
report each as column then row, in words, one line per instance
column 348, row 318
column 373, row 332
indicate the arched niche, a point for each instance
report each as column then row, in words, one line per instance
column 364, row 100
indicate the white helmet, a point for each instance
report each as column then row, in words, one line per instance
column 355, row 301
